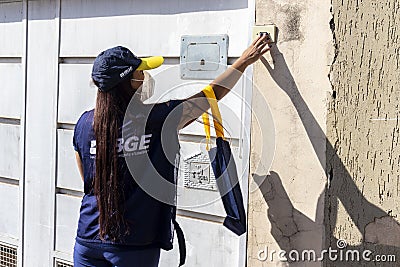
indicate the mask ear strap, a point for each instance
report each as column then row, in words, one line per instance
column 145, row 73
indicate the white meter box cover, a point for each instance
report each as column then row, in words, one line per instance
column 203, row 57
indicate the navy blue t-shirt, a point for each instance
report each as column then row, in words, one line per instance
column 149, row 220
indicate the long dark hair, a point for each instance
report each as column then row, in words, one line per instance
column 108, row 186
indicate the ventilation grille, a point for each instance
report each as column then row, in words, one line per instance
column 8, row 255
column 60, row 263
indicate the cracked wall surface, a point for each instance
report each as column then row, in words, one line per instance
column 363, row 152
column 286, row 197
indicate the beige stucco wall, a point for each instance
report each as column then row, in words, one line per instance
column 334, row 99
column 363, row 128
column 286, row 199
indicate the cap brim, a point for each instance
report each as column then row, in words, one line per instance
column 149, row 63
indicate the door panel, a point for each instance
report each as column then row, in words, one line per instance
column 11, row 77
column 68, row 176
column 75, row 92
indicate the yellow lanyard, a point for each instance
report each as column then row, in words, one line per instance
column 212, row 100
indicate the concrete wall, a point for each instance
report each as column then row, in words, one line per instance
column 286, row 205
column 334, row 100
column 363, row 127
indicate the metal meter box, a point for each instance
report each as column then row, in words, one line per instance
column 203, row 57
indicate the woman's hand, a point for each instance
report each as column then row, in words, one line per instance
column 253, row 53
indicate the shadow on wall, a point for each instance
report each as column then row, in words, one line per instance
column 106, row 8
column 293, row 230
column 10, row 12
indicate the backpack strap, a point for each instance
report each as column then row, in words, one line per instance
column 209, row 93
column 181, row 243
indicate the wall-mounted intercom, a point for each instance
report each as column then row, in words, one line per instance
column 261, row 29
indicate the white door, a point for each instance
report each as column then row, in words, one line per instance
column 63, row 38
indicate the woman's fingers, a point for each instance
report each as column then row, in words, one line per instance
column 261, row 40
column 256, row 40
column 266, row 49
column 261, row 48
column 258, row 48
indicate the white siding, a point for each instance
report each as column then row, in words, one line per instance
column 9, row 156
column 207, row 244
column 67, row 215
column 9, row 212
column 40, row 143
column 11, row 34
column 11, row 78
column 67, row 172
column 148, row 27
column 75, row 92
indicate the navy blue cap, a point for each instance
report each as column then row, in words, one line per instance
column 112, row 66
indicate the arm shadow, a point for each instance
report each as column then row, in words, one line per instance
column 380, row 232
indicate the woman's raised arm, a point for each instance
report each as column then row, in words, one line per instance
column 197, row 104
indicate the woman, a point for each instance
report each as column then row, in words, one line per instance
column 120, row 223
